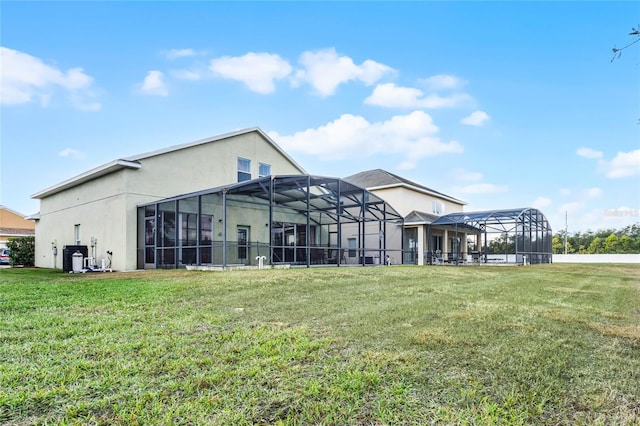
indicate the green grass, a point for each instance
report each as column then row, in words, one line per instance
column 549, row 344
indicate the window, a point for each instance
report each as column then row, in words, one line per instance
column 264, row 169
column 438, row 207
column 206, row 229
column 76, row 233
column 189, row 229
column 352, row 247
column 244, row 169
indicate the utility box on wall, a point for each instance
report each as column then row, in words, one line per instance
column 67, row 256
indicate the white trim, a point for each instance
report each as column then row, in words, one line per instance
column 105, row 169
column 35, row 216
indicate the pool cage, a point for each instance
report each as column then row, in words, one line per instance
column 296, row 220
column 518, row 236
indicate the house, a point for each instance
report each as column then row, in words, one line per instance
column 13, row 224
column 238, row 199
column 99, row 208
column 420, row 206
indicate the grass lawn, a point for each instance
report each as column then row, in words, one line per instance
column 547, row 344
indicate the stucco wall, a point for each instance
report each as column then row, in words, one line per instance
column 98, row 206
column 101, row 219
column 405, row 200
column 204, row 166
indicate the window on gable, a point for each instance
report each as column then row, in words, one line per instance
column 244, row 169
column 264, row 169
column 438, row 207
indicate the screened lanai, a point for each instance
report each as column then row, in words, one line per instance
column 506, row 236
column 297, row 220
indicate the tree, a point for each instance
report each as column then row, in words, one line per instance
column 595, row 246
column 23, row 251
column 505, row 243
column 625, row 240
column 610, row 244
column 625, row 245
column 635, row 32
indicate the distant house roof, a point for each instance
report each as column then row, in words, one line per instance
column 133, row 162
column 9, row 226
column 18, row 232
column 5, row 208
column 381, row 179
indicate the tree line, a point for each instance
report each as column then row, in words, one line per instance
column 607, row 241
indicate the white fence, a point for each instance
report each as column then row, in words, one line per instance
column 596, row 258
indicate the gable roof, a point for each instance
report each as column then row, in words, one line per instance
column 416, row 217
column 382, row 179
column 7, row 209
column 133, row 162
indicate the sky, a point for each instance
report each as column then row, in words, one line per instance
column 500, row 104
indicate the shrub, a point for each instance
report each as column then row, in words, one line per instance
column 23, row 251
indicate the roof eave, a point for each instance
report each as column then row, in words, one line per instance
column 103, row 170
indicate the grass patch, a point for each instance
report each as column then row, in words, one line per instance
column 550, row 344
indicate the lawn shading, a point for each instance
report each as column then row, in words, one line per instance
column 546, row 344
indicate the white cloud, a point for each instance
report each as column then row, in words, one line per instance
column 572, row 207
column 482, row 188
column 258, row 71
column 406, row 165
column 412, row 135
column 325, row 71
column 477, row 118
column 442, row 82
column 588, row 153
column 179, row 53
column 25, row 78
column 463, row 175
column 70, row 152
column 624, row 164
column 592, row 192
column 541, row 203
column 154, row 84
column 186, row 74
column 392, row 96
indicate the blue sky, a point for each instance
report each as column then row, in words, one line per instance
column 500, row 104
